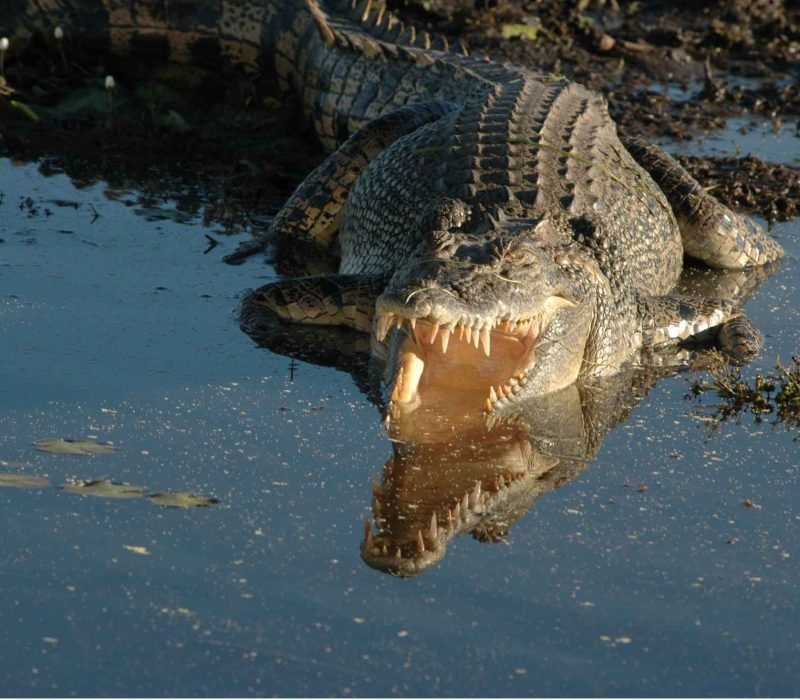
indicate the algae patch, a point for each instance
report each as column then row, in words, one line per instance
column 73, row 447
column 183, row 499
column 103, row 488
column 22, row 481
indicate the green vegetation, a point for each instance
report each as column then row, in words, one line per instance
column 775, row 394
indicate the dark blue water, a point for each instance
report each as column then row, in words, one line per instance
column 645, row 575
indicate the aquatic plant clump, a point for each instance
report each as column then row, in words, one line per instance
column 775, row 393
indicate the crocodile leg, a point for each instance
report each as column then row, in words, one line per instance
column 668, row 320
column 325, row 300
column 313, row 212
column 710, row 231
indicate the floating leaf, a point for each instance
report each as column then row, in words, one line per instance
column 73, row 447
column 183, row 499
column 22, row 481
column 102, row 488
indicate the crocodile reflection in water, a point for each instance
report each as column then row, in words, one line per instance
column 452, row 474
column 453, row 470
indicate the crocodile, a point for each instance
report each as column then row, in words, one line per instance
column 493, row 229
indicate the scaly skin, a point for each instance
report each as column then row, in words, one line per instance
column 494, row 231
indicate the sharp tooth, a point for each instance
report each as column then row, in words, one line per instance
column 450, row 518
column 502, row 481
column 501, row 391
column 445, row 337
column 413, row 323
column 420, row 542
column 377, row 509
column 468, row 333
column 506, row 325
column 475, row 496
column 486, row 342
column 433, row 530
column 465, row 504
column 457, row 513
column 488, row 405
column 434, row 332
column 397, row 382
column 461, row 329
column 384, row 550
column 491, row 421
column 368, row 541
column 520, row 376
column 492, row 394
column 408, row 383
column 398, row 554
column 513, row 382
column 382, row 327
column 398, row 321
column 476, row 337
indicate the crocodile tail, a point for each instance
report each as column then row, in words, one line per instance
column 347, row 61
column 204, row 31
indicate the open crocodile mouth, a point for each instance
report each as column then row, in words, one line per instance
column 438, row 357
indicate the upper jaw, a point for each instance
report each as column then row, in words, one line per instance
column 433, row 352
column 427, row 330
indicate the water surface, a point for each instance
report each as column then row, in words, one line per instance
column 644, row 575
